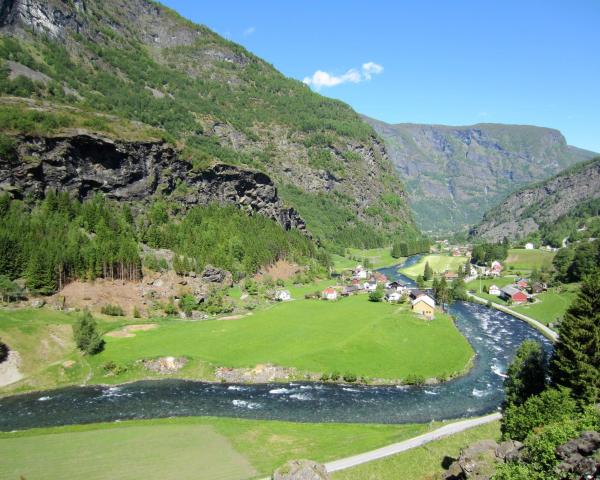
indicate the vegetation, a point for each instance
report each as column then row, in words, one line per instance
column 526, row 375
column 438, row 263
column 197, row 448
column 486, row 253
column 86, row 335
column 112, row 310
column 576, row 261
column 528, row 260
column 3, row 351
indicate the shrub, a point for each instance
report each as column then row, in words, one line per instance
column 170, row 309
column 113, row 368
column 350, row 377
column 3, row 351
column 136, row 312
column 112, row 310
column 414, row 379
column 376, row 296
column 324, row 377
column 86, row 335
column 335, row 376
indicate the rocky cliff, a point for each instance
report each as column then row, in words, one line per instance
column 216, row 101
column 454, row 174
column 83, row 164
column 525, row 211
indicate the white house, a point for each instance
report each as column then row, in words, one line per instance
column 330, row 294
column 360, row 272
column 495, row 290
column 370, row 286
column 283, row 295
column 393, row 296
column 496, row 267
column 529, row 246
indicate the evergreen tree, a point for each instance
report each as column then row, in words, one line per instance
column 396, row 250
column 86, row 335
column 435, row 286
column 576, row 362
column 526, row 375
column 427, row 272
column 420, row 281
column 458, row 290
column 442, row 293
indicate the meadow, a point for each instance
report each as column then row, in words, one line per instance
column 185, row 448
column 438, row 263
column 527, row 260
column 378, row 258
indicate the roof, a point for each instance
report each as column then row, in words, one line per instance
column 329, row 291
column 510, row 290
column 426, row 299
column 494, row 287
column 391, row 291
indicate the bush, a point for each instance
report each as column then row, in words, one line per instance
column 112, row 310
column 136, row 312
column 335, row 376
column 113, row 368
column 376, row 296
column 350, row 377
column 413, row 379
column 86, row 335
column 3, row 351
column 324, row 377
column 170, row 309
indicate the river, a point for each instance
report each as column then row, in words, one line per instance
column 494, row 336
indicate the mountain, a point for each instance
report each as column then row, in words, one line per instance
column 454, row 174
column 543, row 205
column 80, row 77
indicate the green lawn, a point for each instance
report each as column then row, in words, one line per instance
column 550, row 305
column 350, row 335
column 378, row 258
column 181, row 448
column 527, row 260
column 439, row 264
column 422, row 463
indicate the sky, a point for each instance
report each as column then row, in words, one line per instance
column 454, row 62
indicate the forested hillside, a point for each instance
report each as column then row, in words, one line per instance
column 453, row 175
column 212, row 100
column 551, row 211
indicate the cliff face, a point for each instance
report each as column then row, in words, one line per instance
column 216, row 101
column 454, row 174
column 525, row 211
column 83, row 164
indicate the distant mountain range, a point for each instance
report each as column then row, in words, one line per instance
column 540, row 205
column 453, row 175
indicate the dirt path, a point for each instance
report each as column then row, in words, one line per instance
column 9, row 369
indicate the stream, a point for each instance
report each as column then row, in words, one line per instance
column 494, row 335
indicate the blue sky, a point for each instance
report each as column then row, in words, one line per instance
column 449, row 62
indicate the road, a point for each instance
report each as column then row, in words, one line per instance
column 414, row 442
column 548, row 332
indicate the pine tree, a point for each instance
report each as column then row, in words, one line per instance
column 576, row 362
column 427, row 272
column 526, row 375
column 86, row 335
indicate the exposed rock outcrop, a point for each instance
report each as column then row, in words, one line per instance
column 83, row 164
column 301, row 470
column 580, row 458
column 525, row 211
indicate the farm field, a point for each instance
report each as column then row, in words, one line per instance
column 378, row 258
column 422, row 463
column 184, row 448
column 438, row 263
column 551, row 305
column 527, row 260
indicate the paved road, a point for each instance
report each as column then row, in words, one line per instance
column 395, row 448
column 548, row 332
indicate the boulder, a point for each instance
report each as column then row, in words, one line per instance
column 301, row 470
column 580, row 456
column 475, row 462
column 214, row 275
column 38, row 303
column 509, row 451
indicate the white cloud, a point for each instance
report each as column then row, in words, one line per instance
column 371, row 68
column 249, row 31
column 321, row 79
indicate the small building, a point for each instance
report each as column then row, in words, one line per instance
column 416, row 293
column 392, row 295
column 350, row 290
column 522, row 283
column 360, row 272
column 494, row 290
column 370, row 286
column 538, row 287
column 514, row 294
column 424, row 305
column 529, row 246
column 329, row 294
column 283, row 295
column 450, row 276
column 379, row 278
column 496, row 266
column 396, row 285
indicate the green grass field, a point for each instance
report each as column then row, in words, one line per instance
column 551, row 305
column 184, row 448
column 350, row 335
column 527, row 260
column 439, row 264
column 378, row 258
column 422, row 463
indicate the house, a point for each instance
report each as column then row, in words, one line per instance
column 494, row 290
column 538, row 287
column 283, row 295
column 450, row 275
column 514, row 294
column 392, row 295
column 522, row 283
column 360, row 272
column 416, row 293
column 370, row 286
column 496, row 267
column 379, row 277
column 329, row 294
column 424, row 305
column 529, row 246
column 350, row 290
column 395, row 285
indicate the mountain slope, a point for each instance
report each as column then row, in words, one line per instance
column 454, row 174
column 539, row 205
column 211, row 99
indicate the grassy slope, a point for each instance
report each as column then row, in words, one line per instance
column 379, row 258
column 351, row 335
column 183, row 447
column 527, row 260
column 423, row 463
column 439, row 264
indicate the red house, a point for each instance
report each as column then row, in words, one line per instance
column 522, row 283
column 514, row 294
